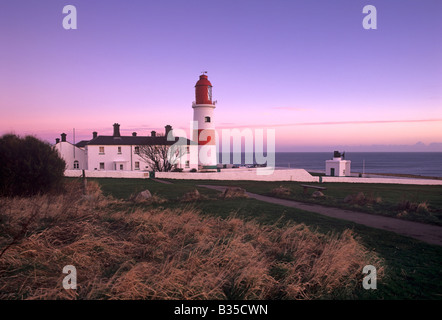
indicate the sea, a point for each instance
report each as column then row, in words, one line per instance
column 413, row 163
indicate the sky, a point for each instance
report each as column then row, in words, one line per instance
column 305, row 68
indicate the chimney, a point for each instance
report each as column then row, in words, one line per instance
column 94, row 134
column 63, row 137
column 168, row 129
column 153, row 134
column 57, row 140
column 134, row 134
column 117, row 130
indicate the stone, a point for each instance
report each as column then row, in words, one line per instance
column 317, row 194
column 193, row 196
column 142, row 196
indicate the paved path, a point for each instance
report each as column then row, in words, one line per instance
column 425, row 232
column 161, row 181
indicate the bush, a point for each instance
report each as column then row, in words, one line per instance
column 29, row 166
column 234, row 192
column 280, row 191
column 362, row 199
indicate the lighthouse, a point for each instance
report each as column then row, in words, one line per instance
column 204, row 127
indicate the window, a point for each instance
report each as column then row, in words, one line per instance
column 137, row 150
column 206, row 119
column 101, row 165
column 187, row 164
column 137, row 165
column 188, row 149
column 121, row 167
column 76, row 164
column 101, row 150
column 119, row 150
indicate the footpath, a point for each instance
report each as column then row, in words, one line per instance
column 425, row 232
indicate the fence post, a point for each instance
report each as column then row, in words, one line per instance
column 84, row 182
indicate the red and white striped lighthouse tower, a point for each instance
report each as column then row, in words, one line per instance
column 204, row 127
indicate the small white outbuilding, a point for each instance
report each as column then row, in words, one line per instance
column 338, row 166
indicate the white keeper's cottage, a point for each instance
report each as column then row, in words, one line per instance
column 117, row 152
column 122, row 153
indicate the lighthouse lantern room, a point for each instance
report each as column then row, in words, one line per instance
column 204, row 127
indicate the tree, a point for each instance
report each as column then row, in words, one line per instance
column 28, row 166
column 162, row 157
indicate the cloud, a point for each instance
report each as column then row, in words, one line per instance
column 335, row 123
column 289, row 108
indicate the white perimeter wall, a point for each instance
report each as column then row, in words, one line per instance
column 242, row 174
column 107, row 174
column 239, row 174
column 382, row 180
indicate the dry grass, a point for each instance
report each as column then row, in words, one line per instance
column 192, row 196
column 407, row 208
column 280, row 191
column 361, row 199
column 165, row 253
column 233, row 192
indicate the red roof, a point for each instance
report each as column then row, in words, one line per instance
column 203, row 81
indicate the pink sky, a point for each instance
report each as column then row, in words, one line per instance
column 309, row 71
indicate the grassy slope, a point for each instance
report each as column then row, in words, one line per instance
column 392, row 196
column 413, row 267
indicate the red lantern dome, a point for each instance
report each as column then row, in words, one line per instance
column 203, row 90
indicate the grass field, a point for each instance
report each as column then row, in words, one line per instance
column 409, row 202
column 170, row 248
column 412, row 267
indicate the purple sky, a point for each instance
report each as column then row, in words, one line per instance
column 306, row 68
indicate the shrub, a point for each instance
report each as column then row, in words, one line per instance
column 280, row 191
column 193, row 196
column 234, row 192
column 362, row 199
column 407, row 206
column 29, row 166
column 422, row 207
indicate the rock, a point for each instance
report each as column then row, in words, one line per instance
column 142, row 196
column 192, row 196
column 357, row 199
column 317, row 194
